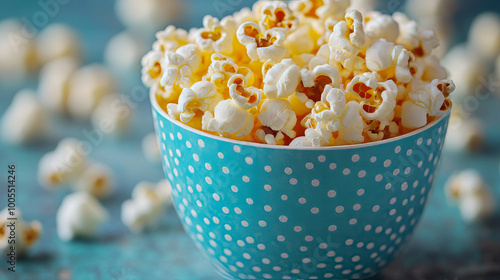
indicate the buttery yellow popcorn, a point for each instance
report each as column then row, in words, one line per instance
column 305, row 73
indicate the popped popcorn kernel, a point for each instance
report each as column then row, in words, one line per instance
column 27, row 234
column 305, row 73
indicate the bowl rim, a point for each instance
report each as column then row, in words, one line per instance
column 158, row 109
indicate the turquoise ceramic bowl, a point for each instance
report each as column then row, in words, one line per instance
column 266, row 212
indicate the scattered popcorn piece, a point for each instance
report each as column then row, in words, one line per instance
column 164, row 191
column 57, row 41
column 151, row 149
column 465, row 69
column 87, row 87
column 364, row 5
column 470, row 192
column 124, row 52
column 24, row 120
column 112, row 115
column 62, row 166
column 18, row 56
column 144, row 209
column 79, row 216
column 147, row 16
column 54, row 84
column 96, row 179
column 484, row 35
column 464, row 135
column 26, row 234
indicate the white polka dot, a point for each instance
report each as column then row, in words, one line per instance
column 266, row 261
column 268, row 208
column 267, row 168
column 297, row 228
column 321, row 158
column 176, row 161
column 409, row 152
column 216, row 197
column 393, row 200
column 315, row 210
column 237, row 148
column 288, row 171
column 309, row 165
column 249, row 201
column 228, row 237
column 225, row 170
column 249, row 160
column 331, row 254
column 170, row 153
column 208, row 166
column 293, row 181
column 339, row 259
column 220, row 155
column 373, row 159
column 361, row 174
column 208, row 180
column 429, row 142
column 397, row 150
column 306, row 260
column 388, row 186
column 346, row 171
column 284, row 197
column 404, row 186
column 237, row 210
column 396, row 172
column 295, row 271
column 353, row 221
column 267, row 187
column 411, row 211
column 332, row 193
column 225, row 210
column 378, row 229
column 302, row 200
column 179, row 135
column 196, row 157
column 262, row 223
column 376, row 208
column 356, row 207
column 333, row 166
column 201, row 143
column 247, row 256
column 315, row 182
column 332, row 228
column 407, row 170
column 379, row 177
column 387, row 163
column 355, row 158
column 234, row 189
column 244, row 223
column 419, row 141
column 261, row 246
column 283, row 218
column 339, row 209
column 280, row 238
column 392, row 212
column 245, row 179
column 360, row 192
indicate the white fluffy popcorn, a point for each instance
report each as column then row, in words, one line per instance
column 62, row 166
column 170, row 39
column 364, row 5
column 79, row 216
column 57, row 41
column 223, row 68
column 24, row 120
column 471, row 193
column 347, row 39
column 151, row 149
column 465, row 68
column 88, row 86
column 152, row 69
column 54, row 85
column 164, row 191
column 420, row 42
column 216, row 36
column 112, row 115
column 144, row 209
column 179, row 66
column 282, row 79
column 464, row 135
column 484, row 35
column 147, row 16
column 384, row 55
column 96, row 179
column 275, row 14
column 262, row 46
column 330, row 10
column 18, row 55
column 200, row 98
column 231, row 116
column 278, row 119
column 381, row 26
column 123, row 52
column 26, row 234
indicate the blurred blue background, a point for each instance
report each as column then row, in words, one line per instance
column 443, row 247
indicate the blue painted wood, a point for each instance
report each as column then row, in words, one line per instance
column 443, row 246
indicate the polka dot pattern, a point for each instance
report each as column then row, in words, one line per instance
column 267, row 213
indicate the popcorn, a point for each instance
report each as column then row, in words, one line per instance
column 179, row 66
column 112, row 116
column 146, row 16
column 278, row 119
column 79, row 216
column 473, row 196
column 347, row 39
column 58, row 41
column 24, row 120
column 88, row 87
column 144, row 209
column 262, row 45
column 96, row 179
column 282, row 79
column 55, row 79
column 381, row 26
column 164, row 191
column 123, row 52
column 18, row 54
column 231, row 117
column 26, row 234
column 151, row 149
column 62, row 166
column 170, row 39
column 464, row 135
column 326, row 75
column 216, row 36
column 484, row 35
column 432, row 100
column 364, row 5
column 201, row 97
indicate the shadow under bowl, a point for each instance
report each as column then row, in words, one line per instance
column 268, row 212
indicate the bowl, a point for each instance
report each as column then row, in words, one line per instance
column 273, row 212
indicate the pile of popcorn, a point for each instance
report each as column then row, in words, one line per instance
column 301, row 73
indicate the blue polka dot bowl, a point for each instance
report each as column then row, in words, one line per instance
column 267, row 212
